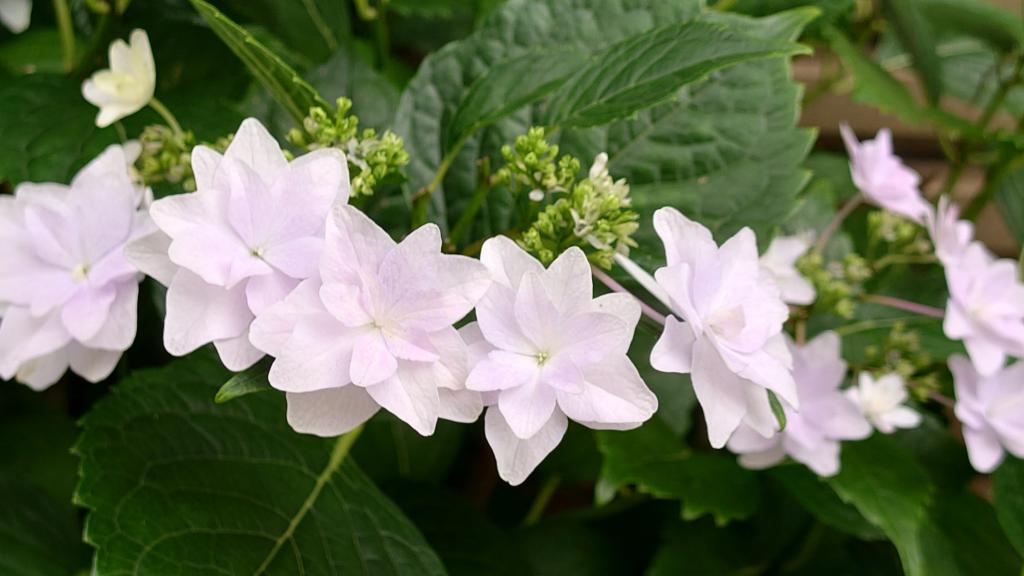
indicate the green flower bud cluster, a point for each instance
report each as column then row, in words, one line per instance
column 903, row 236
column 837, row 283
column 167, row 157
column 532, row 163
column 595, row 215
column 373, row 159
column 903, row 354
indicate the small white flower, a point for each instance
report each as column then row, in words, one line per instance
column 991, row 410
column 881, row 401
column 812, row 435
column 731, row 338
column 780, row 260
column 16, row 14
column 128, row 85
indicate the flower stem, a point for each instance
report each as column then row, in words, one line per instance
column 616, row 287
column 167, row 116
column 421, row 200
column 483, row 186
column 891, row 259
column 902, row 304
column 833, row 226
column 67, row 33
column 541, row 501
column 644, row 278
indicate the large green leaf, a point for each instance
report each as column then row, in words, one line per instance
column 47, row 130
column 1008, row 486
column 1010, row 199
column 892, row 491
column 177, row 484
column 821, row 501
column 429, row 102
column 659, row 464
column 287, row 86
column 977, row 18
column 964, row 526
column 39, row 529
column 647, row 68
column 727, row 152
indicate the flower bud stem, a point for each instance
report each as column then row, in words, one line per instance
column 67, row 33
column 833, row 226
column 540, row 503
column 167, row 116
column 902, row 304
column 616, row 287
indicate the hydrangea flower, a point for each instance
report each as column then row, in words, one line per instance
column 826, row 415
column 128, row 85
column 881, row 401
column 375, row 332
column 247, row 236
column 16, row 14
column 780, row 260
column 985, row 308
column 730, row 338
column 950, row 235
column 548, row 351
column 882, row 177
column 992, row 412
column 70, row 294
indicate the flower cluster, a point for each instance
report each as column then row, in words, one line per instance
column 70, row 295
column 373, row 160
column 837, row 284
column 532, row 165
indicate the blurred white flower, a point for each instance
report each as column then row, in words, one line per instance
column 991, row 410
column 731, row 338
column 780, row 260
column 128, row 85
column 950, row 235
column 70, row 292
column 881, row 401
column 16, row 14
column 882, row 177
column 985, row 308
column 812, row 435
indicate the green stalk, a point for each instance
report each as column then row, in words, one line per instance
column 67, row 33
column 167, row 116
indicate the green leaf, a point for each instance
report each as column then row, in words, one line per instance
column 317, row 28
column 659, row 464
column 561, row 546
column 288, row 88
column 648, row 68
column 432, row 97
column 982, row 20
column 47, row 130
column 777, row 410
column 510, row 85
column 1008, row 488
column 875, row 86
column 964, row 526
column 389, row 449
column 252, row 379
column 915, row 33
column 34, row 51
column 890, row 490
column 1010, row 199
column 172, row 479
column 701, row 549
column 727, row 152
column 815, row 495
column 39, row 528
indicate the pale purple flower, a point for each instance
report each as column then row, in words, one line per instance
column 882, row 402
column 251, row 231
column 730, row 339
column 950, row 235
column 882, row 177
column 780, row 260
column 70, row 293
column 553, row 353
column 985, row 308
column 375, row 332
column 812, row 435
column 992, row 412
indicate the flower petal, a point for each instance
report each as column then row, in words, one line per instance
column 331, row 411
column 199, row 313
column 372, row 362
column 719, row 391
column 528, row 407
column 413, row 400
column 614, row 393
column 508, row 262
column 90, row 363
column 516, row 457
column 673, row 352
column 316, row 356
